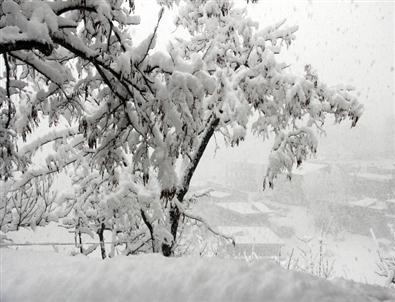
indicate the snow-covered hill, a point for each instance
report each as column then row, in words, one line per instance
column 39, row 276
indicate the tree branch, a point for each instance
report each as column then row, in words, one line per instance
column 28, row 60
column 153, row 36
column 150, row 228
column 43, row 46
column 60, row 8
column 196, row 157
column 7, row 68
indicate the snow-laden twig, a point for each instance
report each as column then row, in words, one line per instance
column 152, row 36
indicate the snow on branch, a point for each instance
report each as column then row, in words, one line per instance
column 289, row 149
column 145, row 47
column 46, row 139
column 25, row 44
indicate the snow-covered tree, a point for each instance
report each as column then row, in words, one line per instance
column 125, row 114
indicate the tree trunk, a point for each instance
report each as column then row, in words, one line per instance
column 155, row 248
column 78, row 235
column 174, row 213
column 80, row 242
column 100, row 233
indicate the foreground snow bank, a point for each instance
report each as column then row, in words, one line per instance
column 39, row 276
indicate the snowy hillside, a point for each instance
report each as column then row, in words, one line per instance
column 39, row 276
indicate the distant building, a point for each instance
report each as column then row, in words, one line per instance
column 215, row 192
column 391, row 206
column 227, row 195
column 375, row 182
column 246, row 208
column 259, row 241
column 308, row 183
column 364, row 214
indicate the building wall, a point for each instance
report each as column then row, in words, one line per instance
column 260, row 250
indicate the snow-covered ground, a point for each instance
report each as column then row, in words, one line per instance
column 46, row 276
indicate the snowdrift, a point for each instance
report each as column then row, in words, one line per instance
column 39, row 276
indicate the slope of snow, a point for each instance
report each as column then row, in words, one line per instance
column 39, row 276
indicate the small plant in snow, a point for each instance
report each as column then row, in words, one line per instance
column 311, row 257
column 386, row 262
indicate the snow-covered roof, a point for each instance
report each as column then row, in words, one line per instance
column 379, row 205
column 369, row 203
column 239, row 207
column 375, row 176
column 219, row 194
column 251, row 235
column 246, row 207
column 307, row 168
column 262, row 207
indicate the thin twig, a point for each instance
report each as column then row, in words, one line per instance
column 153, row 36
column 203, row 221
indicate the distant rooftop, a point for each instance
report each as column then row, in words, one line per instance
column 374, row 176
column 219, row 194
column 369, row 203
column 262, row 207
column 239, row 207
column 307, row 168
column 251, row 235
column 246, row 208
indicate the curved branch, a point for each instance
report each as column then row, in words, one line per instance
column 43, row 46
column 60, row 8
column 46, row 139
column 37, row 65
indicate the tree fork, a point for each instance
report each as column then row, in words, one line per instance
column 174, row 213
column 150, row 228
